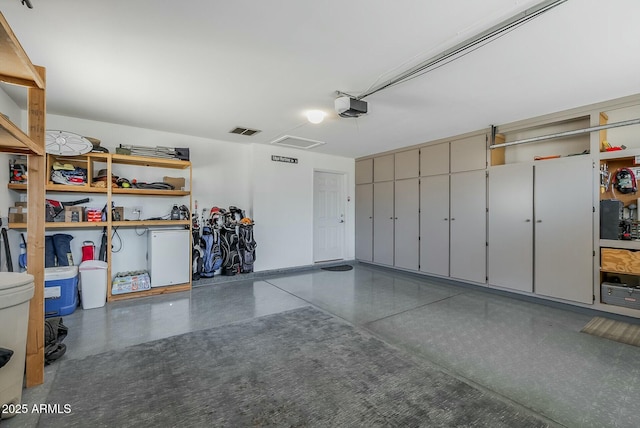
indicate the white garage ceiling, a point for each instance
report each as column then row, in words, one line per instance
column 203, row 67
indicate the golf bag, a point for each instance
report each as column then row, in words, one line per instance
column 196, row 251
column 229, row 241
column 246, row 245
column 212, row 257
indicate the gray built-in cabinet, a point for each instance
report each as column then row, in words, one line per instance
column 453, row 209
column 364, row 210
column 529, row 205
column 402, row 209
column 517, row 217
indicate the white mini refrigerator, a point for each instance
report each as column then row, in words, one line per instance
column 168, row 257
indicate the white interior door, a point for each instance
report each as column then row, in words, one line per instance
column 329, row 216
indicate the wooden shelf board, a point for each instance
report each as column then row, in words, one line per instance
column 64, row 225
column 620, row 154
column 116, row 190
column 149, row 192
column 151, row 292
column 17, row 186
column 150, row 161
column 15, row 66
column 50, row 187
column 615, row 243
column 136, row 223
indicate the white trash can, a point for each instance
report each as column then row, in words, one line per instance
column 93, row 283
column 16, row 290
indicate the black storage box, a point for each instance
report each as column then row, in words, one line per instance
column 616, row 294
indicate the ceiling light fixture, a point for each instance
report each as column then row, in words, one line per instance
column 315, row 116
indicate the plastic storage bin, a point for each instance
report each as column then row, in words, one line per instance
column 93, row 283
column 60, row 290
column 16, row 289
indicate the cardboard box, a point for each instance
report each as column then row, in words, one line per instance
column 17, row 214
column 117, row 214
column 73, row 214
column 177, row 182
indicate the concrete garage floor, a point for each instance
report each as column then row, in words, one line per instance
column 529, row 353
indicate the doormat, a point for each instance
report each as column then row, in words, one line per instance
column 339, row 268
column 300, row 368
column 614, row 330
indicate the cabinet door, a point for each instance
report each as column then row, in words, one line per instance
column 364, row 222
column 434, row 160
column 510, row 251
column 407, row 226
column 469, row 153
column 468, row 226
column 407, row 164
column 564, row 229
column 364, row 171
column 383, row 168
column 434, row 225
column 383, row 223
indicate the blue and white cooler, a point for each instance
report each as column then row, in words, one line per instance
column 60, row 290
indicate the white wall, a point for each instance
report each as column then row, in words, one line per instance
column 7, row 198
column 278, row 197
column 283, row 205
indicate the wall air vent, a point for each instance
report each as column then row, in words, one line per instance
column 244, row 131
column 297, row 142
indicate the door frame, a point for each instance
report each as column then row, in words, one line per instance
column 344, row 179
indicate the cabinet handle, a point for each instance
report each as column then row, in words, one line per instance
column 445, row 219
column 452, row 218
column 538, row 221
column 528, row 220
column 395, row 218
column 370, row 217
column 390, row 218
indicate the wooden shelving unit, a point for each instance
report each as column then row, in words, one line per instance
column 16, row 68
column 97, row 161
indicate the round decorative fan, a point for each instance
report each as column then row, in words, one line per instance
column 66, row 143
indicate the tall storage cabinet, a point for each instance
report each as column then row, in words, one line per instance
column 364, row 210
column 383, row 239
column 510, row 251
column 453, row 209
column 406, row 208
column 434, row 225
column 387, row 203
column 563, row 230
column 407, row 228
column 468, row 226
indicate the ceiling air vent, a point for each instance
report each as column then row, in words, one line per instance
column 297, row 142
column 244, row 131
